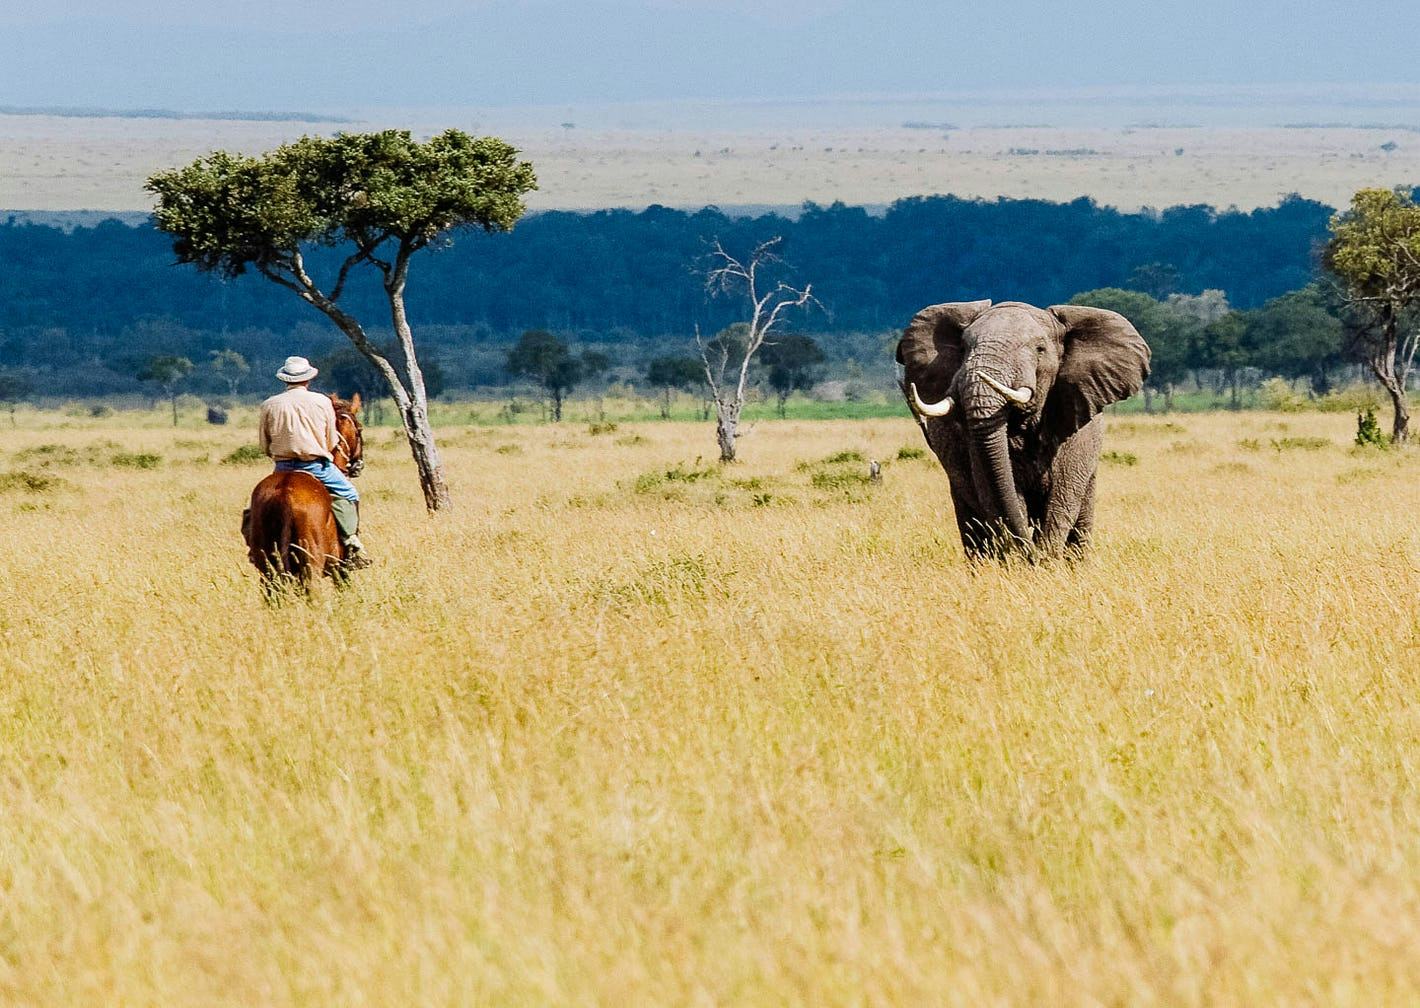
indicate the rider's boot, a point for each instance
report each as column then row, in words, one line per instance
column 347, row 522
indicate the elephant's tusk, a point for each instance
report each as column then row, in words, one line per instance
column 1019, row 396
column 928, row 409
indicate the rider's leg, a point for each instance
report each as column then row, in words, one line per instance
column 345, row 502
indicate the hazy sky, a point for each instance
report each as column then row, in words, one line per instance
column 322, row 56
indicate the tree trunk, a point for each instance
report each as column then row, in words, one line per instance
column 1382, row 364
column 426, row 457
column 666, row 403
column 1235, row 402
column 1148, row 399
column 415, row 410
column 556, row 405
column 727, row 426
column 1168, row 397
column 1400, row 427
column 173, row 397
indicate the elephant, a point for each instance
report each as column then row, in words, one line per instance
column 1008, row 396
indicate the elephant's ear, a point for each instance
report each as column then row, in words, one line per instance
column 1105, row 360
column 930, row 351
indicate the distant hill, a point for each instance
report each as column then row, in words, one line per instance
column 70, row 112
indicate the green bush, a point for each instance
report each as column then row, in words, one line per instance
column 1368, row 430
column 245, row 455
column 1120, row 458
column 1277, row 394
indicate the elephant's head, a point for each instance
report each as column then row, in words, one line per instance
column 993, row 366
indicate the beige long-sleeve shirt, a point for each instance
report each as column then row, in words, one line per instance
column 298, row 424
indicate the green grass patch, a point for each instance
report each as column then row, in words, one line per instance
column 1299, row 443
column 245, row 455
column 136, row 460
column 49, row 456
column 1120, row 458
column 30, row 482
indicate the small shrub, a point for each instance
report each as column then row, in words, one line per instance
column 136, row 460
column 245, row 455
column 100, row 412
column 25, row 481
column 601, row 427
column 1250, row 444
column 1120, row 458
column 1277, row 394
column 631, row 440
column 906, row 454
column 49, row 455
column 509, row 449
column 839, row 458
column 838, row 479
column 1368, row 430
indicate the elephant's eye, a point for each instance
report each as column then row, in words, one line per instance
column 1040, row 350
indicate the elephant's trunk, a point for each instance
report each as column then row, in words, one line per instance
column 985, row 408
column 995, row 481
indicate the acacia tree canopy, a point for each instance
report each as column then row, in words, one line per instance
column 381, row 196
column 230, row 212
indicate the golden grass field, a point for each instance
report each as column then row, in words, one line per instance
column 600, row 736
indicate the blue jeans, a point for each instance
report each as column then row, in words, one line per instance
column 324, row 470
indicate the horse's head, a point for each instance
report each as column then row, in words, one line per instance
column 350, row 447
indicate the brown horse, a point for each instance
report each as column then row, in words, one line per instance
column 290, row 528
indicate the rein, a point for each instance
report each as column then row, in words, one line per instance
column 344, row 446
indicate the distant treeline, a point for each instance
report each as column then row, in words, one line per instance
column 90, row 305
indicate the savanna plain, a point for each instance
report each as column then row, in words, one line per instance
column 628, row 728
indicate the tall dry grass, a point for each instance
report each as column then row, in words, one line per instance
column 624, row 729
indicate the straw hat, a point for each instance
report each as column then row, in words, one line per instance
column 296, row 369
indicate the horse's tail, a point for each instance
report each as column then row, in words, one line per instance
column 284, row 539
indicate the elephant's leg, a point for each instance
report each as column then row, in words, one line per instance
column 1070, row 498
column 1079, row 537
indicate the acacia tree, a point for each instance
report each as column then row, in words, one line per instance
column 1374, row 253
column 230, row 367
column 793, row 361
column 378, row 197
column 167, row 372
column 727, row 361
column 672, row 373
column 542, row 357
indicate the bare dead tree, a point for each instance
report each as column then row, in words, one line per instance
column 726, row 360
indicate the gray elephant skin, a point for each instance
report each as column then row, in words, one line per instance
column 1009, row 396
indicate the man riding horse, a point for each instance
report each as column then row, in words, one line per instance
column 298, row 430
